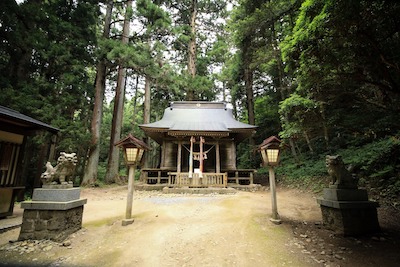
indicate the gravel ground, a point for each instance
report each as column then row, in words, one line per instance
column 203, row 230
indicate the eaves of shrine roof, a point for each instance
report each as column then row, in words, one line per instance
column 198, row 116
column 12, row 118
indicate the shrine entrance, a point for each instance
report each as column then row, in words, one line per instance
column 198, row 146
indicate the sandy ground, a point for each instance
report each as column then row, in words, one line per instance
column 201, row 230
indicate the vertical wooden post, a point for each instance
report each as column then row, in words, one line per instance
column 217, row 158
column 179, row 157
column 201, row 159
column 163, row 151
column 192, row 140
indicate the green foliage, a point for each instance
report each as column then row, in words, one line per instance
column 244, row 158
column 266, row 117
column 337, row 66
column 310, row 174
column 324, row 74
column 101, row 172
column 376, row 164
column 295, row 114
column 46, row 66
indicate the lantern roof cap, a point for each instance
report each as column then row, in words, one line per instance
column 270, row 140
column 131, row 140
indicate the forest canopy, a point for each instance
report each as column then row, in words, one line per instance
column 323, row 75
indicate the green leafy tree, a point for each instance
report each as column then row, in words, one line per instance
column 344, row 59
column 112, row 174
column 46, row 60
column 91, row 168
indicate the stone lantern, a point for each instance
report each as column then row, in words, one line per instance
column 133, row 149
column 270, row 152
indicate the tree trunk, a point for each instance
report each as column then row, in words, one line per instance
column 248, row 79
column 146, row 116
column 192, row 49
column 113, row 154
column 135, row 97
column 324, row 126
column 248, row 83
column 308, row 142
column 90, row 174
column 282, row 86
column 147, row 92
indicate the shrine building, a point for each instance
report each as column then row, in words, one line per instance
column 198, row 146
column 15, row 129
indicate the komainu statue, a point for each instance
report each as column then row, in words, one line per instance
column 341, row 177
column 62, row 172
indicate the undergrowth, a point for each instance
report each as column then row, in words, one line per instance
column 377, row 165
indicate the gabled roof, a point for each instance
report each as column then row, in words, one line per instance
column 131, row 140
column 198, row 118
column 12, row 117
column 270, row 140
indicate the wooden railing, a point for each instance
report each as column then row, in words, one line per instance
column 171, row 178
column 208, row 179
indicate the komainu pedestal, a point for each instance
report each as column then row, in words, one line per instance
column 52, row 214
column 346, row 209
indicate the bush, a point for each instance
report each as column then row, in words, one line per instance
column 377, row 165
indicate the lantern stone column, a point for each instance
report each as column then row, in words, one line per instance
column 128, row 213
column 133, row 152
column 275, row 216
column 269, row 149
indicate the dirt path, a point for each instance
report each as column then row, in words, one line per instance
column 189, row 230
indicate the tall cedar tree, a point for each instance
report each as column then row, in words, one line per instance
column 90, row 174
column 113, row 154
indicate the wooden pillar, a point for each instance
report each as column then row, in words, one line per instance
column 52, row 148
column 179, row 157
column 217, row 158
column 237, row 177
column 192, row 140
column 201, row 156
column 163, row 154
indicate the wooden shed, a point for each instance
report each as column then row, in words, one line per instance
column 14, row 129
column 198, row 146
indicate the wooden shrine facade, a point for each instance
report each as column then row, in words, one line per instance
column 198, row 146
column 14, row 131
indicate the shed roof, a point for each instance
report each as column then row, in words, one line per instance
column 11, row 117
column 198, row 117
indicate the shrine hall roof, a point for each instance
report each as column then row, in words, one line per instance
column 10, row 118
column 198, row 117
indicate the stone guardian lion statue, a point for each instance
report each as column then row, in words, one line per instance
column 341, row 177
column 62, row 172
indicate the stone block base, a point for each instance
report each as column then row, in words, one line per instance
column 55, row 225
column 53, row 214
column 345, row 194
column 56, row 195
column 351, row 221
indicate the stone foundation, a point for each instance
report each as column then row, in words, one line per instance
column 52, row 214
column 348, row 212
column 55, row 225
column 351, row 222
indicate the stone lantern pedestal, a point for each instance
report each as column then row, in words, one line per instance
column 54, row 213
